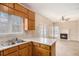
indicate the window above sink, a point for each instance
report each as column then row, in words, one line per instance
column 10, row 24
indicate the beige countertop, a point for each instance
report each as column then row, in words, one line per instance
column 46, row 41
column 39, row 40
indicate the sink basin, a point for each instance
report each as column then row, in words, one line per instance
column 11, row 42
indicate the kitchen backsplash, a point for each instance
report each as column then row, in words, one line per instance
column 27, row 34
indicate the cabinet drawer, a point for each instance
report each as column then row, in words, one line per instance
column 44, row 46
column 10, row 50
column 23, row 46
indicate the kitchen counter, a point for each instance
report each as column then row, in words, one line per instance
column 46, row 41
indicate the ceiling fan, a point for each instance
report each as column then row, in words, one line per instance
column 65, row 19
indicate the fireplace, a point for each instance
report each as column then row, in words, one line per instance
column 63, row 36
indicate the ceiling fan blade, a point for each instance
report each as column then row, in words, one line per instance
column 62, row 17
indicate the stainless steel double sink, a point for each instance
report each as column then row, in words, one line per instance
column 10, row 42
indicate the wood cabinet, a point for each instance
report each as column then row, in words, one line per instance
column 40, row 50
column 12, row 54
column 11, row 51
column 25, row 49
column 11, row 5
column 30, row 47
column 31, row 21
column 0, row 53
column 3, row 8
column 21, row 8
column 20, row 50
column 23, row 52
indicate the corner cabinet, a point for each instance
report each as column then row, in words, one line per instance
column 23, row 50
column 43, row 50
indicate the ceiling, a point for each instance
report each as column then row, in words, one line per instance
column 55, row 11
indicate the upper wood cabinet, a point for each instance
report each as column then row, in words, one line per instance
column 3, row 8
column 31, row 21
column 11, row 5
column 18, row 10
column 31, row 15
column 21, row 8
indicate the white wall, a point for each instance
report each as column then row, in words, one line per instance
column 41, row 20
column 71, row 27
column 30, row 34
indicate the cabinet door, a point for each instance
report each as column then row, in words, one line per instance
column 3, row 8
column 31, row 21
column 31, row 24
column 0, row 53
column 10, row 50
column 21, row 8
column 13, row 54
column 6, row 9
column 11, row 5
column 40, row 52
column 29, row 49
column 36, row 51
column 17, row 13
column 44, row 52
column 23, row 52
column 31, row 15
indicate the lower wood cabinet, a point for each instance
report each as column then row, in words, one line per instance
column 0, row 53
column 39, row 51
column 13, row 54
column 43, row 52
column 11, row 51
column 30, row 49
column 23, row 52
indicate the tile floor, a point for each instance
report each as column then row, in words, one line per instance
column 67, row 48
